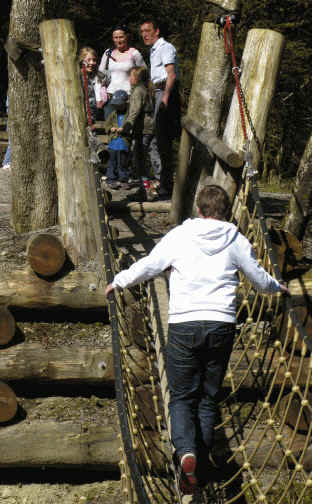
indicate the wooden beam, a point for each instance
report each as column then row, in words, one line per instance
column 34, row 361
column 68, row 444
column 210, row 140
column 144, row 207
column 64, row 444
column 79, row 290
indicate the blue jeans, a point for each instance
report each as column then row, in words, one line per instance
column 197, row 356
column 118, row 166
column 7, row 157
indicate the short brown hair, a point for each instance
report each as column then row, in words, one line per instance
column 213, row 201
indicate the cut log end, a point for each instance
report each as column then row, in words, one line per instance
column 7, row 326
column 8, row 403
column 46, row 254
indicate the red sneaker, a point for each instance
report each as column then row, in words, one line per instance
column 188, row 478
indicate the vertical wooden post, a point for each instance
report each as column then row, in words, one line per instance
column 205, row 104
column 260, row 64
column 78, row 214
column 298, row 220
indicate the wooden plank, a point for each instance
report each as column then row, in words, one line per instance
column 34, row 361
column 79, row 290
column 210, row 140
column 65, row 444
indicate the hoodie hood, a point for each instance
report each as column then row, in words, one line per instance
column 211, row 235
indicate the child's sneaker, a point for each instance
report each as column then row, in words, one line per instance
column 188, row 481
column 6, row 167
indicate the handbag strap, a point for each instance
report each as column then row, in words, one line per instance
column 109, row 55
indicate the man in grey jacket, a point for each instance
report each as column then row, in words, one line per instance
column 205, row 255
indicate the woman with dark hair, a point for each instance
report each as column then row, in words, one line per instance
column 119, row 61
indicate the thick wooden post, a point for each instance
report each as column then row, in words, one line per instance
column 205, row 104
column 260, row 64
column 298, row 220
column 78, row 214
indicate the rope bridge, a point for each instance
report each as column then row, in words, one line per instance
column 261, row 451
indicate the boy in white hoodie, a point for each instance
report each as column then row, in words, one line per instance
column 204, row 255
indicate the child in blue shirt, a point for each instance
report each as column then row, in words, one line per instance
column 118, row 170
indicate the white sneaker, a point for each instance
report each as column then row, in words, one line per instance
column 6, row 167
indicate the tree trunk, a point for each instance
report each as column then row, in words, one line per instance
column 34, row 190
column 298, row 221
column 78, row 290
column 78, row 212
column 205, row 105
column 260, row 65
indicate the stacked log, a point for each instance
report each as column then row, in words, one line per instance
column 8, row 403
column 45, row 254
column 7, row 326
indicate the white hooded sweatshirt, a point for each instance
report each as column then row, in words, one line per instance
column 205, row 256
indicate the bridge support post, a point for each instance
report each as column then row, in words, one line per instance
column 78, row 214
column 205, row 105
column 260, row 64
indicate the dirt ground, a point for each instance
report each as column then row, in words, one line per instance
column 61, row 403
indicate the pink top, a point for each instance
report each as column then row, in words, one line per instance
column 120, row 70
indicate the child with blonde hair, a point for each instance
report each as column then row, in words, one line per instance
column 94, row 87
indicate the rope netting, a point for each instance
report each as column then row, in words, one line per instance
column 262, row 447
